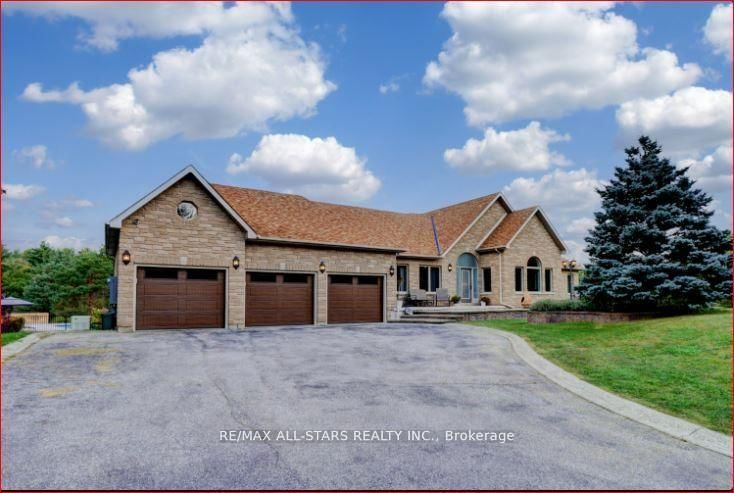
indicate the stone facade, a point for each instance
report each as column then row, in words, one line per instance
column 155, row 235
column 533, row 241
column 280, row 258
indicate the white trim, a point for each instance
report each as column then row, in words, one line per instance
column 471, row 225
column 116, row 222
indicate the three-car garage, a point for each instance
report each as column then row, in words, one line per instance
column 180, row 298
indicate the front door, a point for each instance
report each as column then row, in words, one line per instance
column 467, row 285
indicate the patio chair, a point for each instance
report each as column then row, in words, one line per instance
column 442, row 296
column 419, row 297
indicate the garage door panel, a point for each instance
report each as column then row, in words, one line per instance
column 355, row 299
column 167, row 298
column 285, row 299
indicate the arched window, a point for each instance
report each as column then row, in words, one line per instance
column 533, row 271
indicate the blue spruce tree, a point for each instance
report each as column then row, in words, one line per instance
column 653, row 248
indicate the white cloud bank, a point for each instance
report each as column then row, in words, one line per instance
column 56, row 241
column 511, row 60
column 718, row 30
column 317, row 168
column 37, row 156
column 22, row 192
column 525, row 149
column 569, row 198
column 687, row 122
column 251, row 68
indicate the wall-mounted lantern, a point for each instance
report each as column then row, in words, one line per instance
column 392, row 270
column 126, row 257
column 573, row 264
column 236, row 262
column 451, row 267
column 322, row 267
column 564, row 264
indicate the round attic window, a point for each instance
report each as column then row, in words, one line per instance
column 187, row 210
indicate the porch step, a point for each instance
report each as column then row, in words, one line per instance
column 448, row 316
column 429, row 318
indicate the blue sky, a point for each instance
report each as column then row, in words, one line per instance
column 394, row 106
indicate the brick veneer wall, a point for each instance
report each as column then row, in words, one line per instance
column 161, row 237
column 264, row 257
column 533, row 241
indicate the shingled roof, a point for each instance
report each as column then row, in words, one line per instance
column 281, row 216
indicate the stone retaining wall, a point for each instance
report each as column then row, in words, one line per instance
column 599, row 317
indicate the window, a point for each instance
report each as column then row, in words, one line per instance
column 367, row 280
column 533, row 275
column 262, row 277
column 487, row 278
column 549, row 280
column 295, row 278
column 201, row 275
column 341, row 279
column 187, row 210
column 402, row 278
column 518, row 279
column 429, row 278
column 161, row 273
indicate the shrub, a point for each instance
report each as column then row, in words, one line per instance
column 14, row 325
column 455, row 299
column 560, row 306
column 486, row 300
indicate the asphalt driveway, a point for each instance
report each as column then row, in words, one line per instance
column 147, row 410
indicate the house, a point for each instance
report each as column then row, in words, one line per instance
column 195, row 254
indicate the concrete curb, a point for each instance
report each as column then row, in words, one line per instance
column 675, row 427
column 16, row 347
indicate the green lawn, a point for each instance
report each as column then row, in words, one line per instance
column 678, row 365
column 9, row 337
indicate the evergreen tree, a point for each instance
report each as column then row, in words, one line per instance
column 653, row 247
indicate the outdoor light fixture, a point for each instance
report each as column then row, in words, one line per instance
column 322, row 267
column 573, row 264
column 392, row 270
column 564, row 264
column 125, row 257
column 236, row 262
column 451, row 267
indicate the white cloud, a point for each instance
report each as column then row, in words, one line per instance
column 581, row 226
column 64, row 222
column 37, row 156
column 318, row 168
column 112, row 22
column 22, row 192
column 56, row 241
column 251, row 68
column 713, row 173
column 526, row 149
column 718, row 30
column 79, row 203
column 568, row 197
column 687, row 122
column 511, row 60
column 388, row 87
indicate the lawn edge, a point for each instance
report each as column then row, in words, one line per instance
column 670, row 425
column 10, row 350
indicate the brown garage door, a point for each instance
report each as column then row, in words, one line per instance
column 179, row 298
column 278, row 299
column 355, row 299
